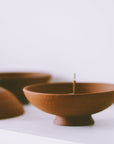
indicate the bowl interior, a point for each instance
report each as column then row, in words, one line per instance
column 64, row 88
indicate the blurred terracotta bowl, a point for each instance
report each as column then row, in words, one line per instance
column 70, row 109
column 10, row 106
column 16, row 81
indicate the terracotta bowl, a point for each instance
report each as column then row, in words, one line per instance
column 70, row 109
column 16, row 81
column 10, row 106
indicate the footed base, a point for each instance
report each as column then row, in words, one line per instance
column 74, row 121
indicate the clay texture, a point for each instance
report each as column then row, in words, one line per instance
column 10, row 106
column 69, row 108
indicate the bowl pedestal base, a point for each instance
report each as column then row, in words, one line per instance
column 74, row 121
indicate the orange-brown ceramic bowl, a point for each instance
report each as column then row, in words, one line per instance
column 69, row 108
column 16, row 81
column 10, row 106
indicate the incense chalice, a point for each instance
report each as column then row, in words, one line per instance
column 72, row 109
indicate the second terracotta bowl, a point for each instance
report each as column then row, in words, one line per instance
column 16, row 81
column 69, row 108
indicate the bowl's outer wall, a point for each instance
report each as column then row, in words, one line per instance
column 10, row 106
column 71, row 105
column 16, row 85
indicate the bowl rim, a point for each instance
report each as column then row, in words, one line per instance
column 26, row 89
column 23, row 75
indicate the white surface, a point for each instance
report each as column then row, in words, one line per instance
column 58, row 36
column 39, row 123
column 9, row 137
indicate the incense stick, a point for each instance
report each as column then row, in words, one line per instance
column 74, row 84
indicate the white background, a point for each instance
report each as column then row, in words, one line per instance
column 60, row 37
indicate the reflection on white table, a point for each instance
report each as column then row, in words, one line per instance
column 39, row 123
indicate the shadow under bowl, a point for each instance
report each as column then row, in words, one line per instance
column 15, row 81
column 71, row 109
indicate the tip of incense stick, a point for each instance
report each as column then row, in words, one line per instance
column 74, row 76
column 74, row 84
